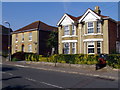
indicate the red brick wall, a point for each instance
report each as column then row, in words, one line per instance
column 112, row 30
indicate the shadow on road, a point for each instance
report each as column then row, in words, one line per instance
column 8, row 68
column 17, row 87
column 11, row 78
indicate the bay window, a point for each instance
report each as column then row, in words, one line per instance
column 66, row 48
column 73, row 30
column 98, row 26
column 66, row 30
column 98, row 47
column 73, row 48
column 90, row 27
column 91, row 47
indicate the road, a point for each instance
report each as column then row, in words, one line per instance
column 24, row 77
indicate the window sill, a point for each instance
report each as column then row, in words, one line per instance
column 93, row 34
column 69, row 36
column 16, row 41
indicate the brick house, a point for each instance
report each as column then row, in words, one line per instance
column 91, row 33
column 32, row 38
column 5, row 32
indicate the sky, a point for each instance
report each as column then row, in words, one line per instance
column 20, row 14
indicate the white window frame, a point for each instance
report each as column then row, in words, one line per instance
column 90, row 27
column 30, row 36
column 90, row 43
column 68, row 48
column 66, row 30
column 73, row 47
column 16, row 48
column 29, row 48
column 99, row 47
column 23, row 37
column 16, row 38
column 73, row 30
column 98, row 26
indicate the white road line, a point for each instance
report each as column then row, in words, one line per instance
column 51, row 85
column 21, row 66
column 10, row 74
column 7, row 73
column 44, row 83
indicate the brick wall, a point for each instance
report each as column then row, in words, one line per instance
column 112, row 34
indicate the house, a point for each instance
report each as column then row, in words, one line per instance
column 91, row 33
column 5, row 40
column 32, row 38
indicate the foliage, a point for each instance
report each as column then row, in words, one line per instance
column 15, row 59
column 112, row 60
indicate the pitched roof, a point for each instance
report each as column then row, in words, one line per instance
column 77, row 18
column 74, row 18
column 37, row 25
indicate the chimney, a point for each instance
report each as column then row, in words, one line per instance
column 97, row 10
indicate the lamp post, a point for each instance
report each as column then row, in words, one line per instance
column 9, row 47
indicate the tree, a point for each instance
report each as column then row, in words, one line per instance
column 53, row 42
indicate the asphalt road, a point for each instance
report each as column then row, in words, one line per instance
column 24, row 77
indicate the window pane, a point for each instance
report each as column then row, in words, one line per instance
column 90, row 30
column 90, row 50
column 66, row 30
column 90, row 24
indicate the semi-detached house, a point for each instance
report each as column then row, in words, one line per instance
column 91, row 33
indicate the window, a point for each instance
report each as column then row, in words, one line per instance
column 16, row 37
column 73, row 48
column 73, row 30
column 16, row 48
column 98, row 27
column 66, row 30
column 90, row 27
column 22, row 36
column 98, row 47
column 30, row 36
column 66, row 48
column 30, row 48
column 91, row 47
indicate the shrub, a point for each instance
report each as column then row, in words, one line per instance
column 15, row 59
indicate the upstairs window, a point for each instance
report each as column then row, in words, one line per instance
column 98, row 26
column 30, row 36
column 90, row 27
column 66, row 30
column 22, row 36
column 66, row 48
column 73, row 30
column 16, row 38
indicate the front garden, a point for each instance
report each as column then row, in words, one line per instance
column 112, row 60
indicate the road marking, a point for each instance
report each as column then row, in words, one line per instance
column 51, row 85
column 44, row 83
column 21, row 66
column 7, row 73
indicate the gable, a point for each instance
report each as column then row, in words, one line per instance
column 89, row 16
column 65, row 20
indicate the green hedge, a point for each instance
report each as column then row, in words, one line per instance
column 113, row 60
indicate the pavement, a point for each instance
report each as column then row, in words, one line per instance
column 88, row 70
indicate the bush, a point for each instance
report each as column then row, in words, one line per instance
column 113, row 60
column 15, row 59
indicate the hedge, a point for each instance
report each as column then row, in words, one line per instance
column 113, row 60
